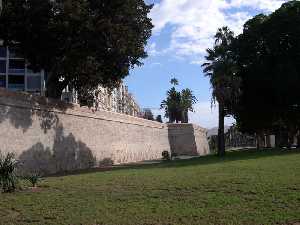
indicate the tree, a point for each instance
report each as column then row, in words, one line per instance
column 187, row 102
column 148, row 115
column 178, row 104
column 172, row 106
column 174, row 82
column 221, row 69
column 267, row 54
column 159, row 119
column 82, row 43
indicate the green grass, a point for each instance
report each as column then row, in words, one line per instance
column 252, row 187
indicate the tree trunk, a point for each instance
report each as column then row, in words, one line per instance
column 277, row 140
column 185, row 116
column 268, row 140
column 221, row 136
column 260, row 140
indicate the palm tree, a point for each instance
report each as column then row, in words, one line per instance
column 172, row 105
column 178, row 104
column 174, row 81
column 187, row 102
column 221, row 70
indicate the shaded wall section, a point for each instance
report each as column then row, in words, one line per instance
column 52, row 136
column 188, row 139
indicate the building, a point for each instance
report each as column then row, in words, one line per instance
column 116, row 100
column 16, row 76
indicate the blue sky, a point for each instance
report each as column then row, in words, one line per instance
column 183, row 30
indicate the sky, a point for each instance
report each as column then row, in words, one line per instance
column 183, row 30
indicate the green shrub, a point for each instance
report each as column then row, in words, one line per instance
column 8, row 177
column 166, row 155
column 33, row 178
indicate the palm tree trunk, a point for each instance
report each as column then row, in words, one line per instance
column 221, row 136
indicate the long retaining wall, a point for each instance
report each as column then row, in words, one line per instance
column 51, row 136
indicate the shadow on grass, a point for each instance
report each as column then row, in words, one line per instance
column 236, row 155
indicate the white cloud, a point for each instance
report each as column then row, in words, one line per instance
column 151, row 49
column 207, row 117
column 265, row 5
column 194, row 22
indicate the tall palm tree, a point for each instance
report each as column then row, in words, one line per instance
column 172, row 105
column 187, row 102
column 221, row 70
column 174, row 81
column 178, row 104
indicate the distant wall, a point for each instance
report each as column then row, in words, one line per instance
column 188, row 139
column 52, row 136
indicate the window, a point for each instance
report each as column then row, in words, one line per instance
column 3, row 81
column 29, row 71
column 16, row 66
column 16, row 83
column 34, row 82
column 14, row 53
column 3, row 66
column 3, row 52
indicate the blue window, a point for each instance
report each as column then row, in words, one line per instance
column 34, row 82
column 3, row 52
column 3, row 81
column 16, row 66
column 16, row 83
column 14, row 52
column 3, row 66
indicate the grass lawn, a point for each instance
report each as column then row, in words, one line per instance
column 252, row 187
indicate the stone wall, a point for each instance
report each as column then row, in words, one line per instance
column 52, row 136
column 188, row 139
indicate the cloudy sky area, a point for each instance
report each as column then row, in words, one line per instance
column 184, row 29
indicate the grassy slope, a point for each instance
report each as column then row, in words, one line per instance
column 244, row 188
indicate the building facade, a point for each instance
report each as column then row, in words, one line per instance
column 116, row 100
column 16, row 76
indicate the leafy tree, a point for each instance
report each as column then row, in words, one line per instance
column 82, row 43
column 159, row 119
column 148, row 115
column 221, row 69
column 267, row 54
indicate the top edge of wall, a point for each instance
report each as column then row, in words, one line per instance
column 22, row 99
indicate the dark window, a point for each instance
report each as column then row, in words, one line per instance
column 34, row 82
column 2, row 66
column 16, row 83
column 30, row 71
column 14, row 52
column 3, row 52
column 16, row 66
column 3, row 81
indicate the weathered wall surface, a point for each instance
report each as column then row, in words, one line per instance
column 188, row 139
column 52, row 136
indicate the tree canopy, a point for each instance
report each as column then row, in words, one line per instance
column 267, row 54
column 178, row 104
column 255, row 76
column 82, row 43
